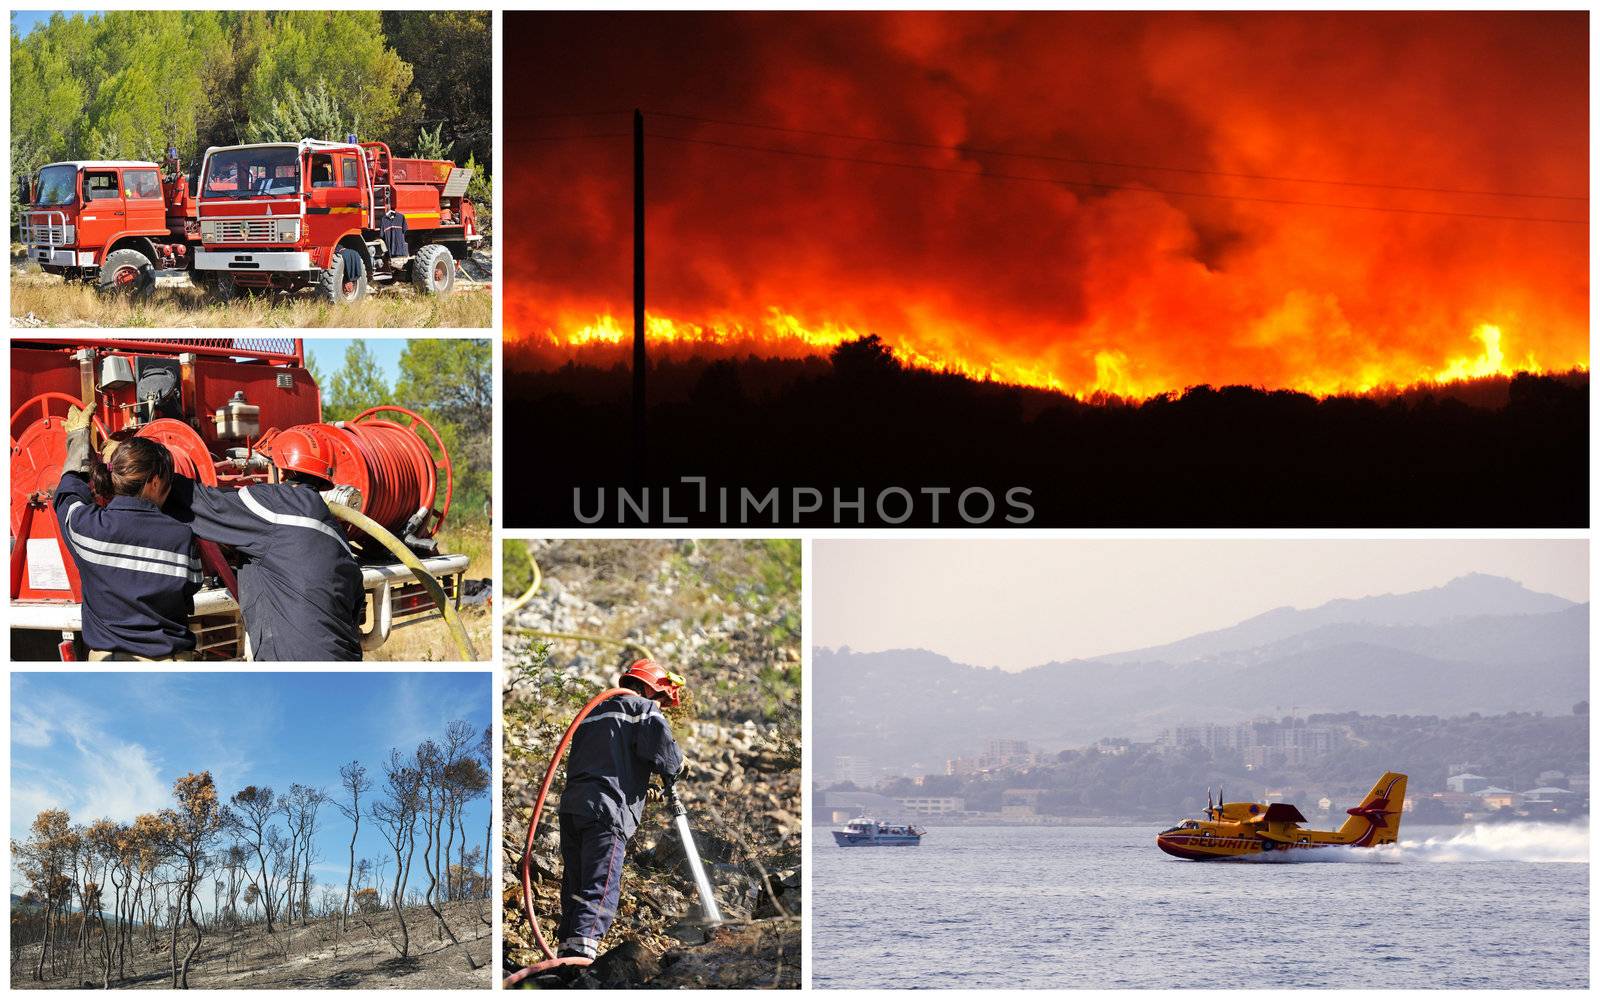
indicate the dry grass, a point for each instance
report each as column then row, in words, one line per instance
column 431, row 642
column 42, row 300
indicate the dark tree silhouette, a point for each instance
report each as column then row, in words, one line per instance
column 1492, row 452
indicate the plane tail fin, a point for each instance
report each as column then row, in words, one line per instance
column 1377, row 819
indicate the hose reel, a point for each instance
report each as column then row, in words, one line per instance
column 394, row 457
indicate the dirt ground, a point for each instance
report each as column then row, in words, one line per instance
column 312, row 957
column 41, row 300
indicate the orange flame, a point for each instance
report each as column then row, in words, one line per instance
column 1114, row 372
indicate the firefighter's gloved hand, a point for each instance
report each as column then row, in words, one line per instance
column 344, row 496
column 77, row 426
column 79, row 419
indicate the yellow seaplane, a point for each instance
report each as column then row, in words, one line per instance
column 1244, row 829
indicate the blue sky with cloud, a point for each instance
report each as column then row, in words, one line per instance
column 111, row 744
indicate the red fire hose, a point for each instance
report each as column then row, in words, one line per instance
column 525, row 869
column 404, row 471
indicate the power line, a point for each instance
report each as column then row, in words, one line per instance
column 984, row 174
column 559, row 138
column 565, row 114
column 975, row 150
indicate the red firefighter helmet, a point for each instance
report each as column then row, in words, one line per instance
column 294, row 450
column 657, row 681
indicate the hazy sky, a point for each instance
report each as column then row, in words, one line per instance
column 1017, row 604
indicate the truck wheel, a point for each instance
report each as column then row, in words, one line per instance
column 126, row 272
column 433, row 270
column 345, row 279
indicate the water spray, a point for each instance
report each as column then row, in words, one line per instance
column 680, row 820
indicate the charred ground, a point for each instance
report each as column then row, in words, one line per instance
column 315, row 955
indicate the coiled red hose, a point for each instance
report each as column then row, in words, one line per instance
column 525, row 868
column 401, row 470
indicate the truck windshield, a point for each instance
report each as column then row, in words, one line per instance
column 57, row 186
column 254, row 170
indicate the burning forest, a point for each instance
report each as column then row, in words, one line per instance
column 1355, row 210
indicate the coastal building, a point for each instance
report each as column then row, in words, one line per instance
column 841, row 807
column 1548, row 799
column 1466, row 783
column 999, row 748
column 1258, row 757
column 1262, row 743
column 1495, row 797
column 998, row 755
column 933, row 805
column 1020, row 803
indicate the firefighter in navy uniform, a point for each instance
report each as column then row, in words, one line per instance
column 616, row 749
column 299, row 587
column 137, row 565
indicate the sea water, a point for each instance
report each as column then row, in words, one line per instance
column 1500, row 906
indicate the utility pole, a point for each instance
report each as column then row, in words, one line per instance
column 639, row 361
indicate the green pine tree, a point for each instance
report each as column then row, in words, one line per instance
column 357, row 386
column 431, row 145
column 314, row 113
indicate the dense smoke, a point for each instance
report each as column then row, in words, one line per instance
column 1130, row 286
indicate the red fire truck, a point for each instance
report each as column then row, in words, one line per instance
column 340, row 217
column 117, row 223
column 218, row 405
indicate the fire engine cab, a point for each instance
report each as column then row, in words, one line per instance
column 339, row 217
column 113, row 222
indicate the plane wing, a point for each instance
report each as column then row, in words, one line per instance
column 1282, row 812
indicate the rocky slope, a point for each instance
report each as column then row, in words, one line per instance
column 726, row 615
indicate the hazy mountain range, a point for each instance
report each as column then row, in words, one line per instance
column 1476, row 644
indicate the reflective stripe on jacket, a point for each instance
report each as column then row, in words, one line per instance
column 138, row 568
